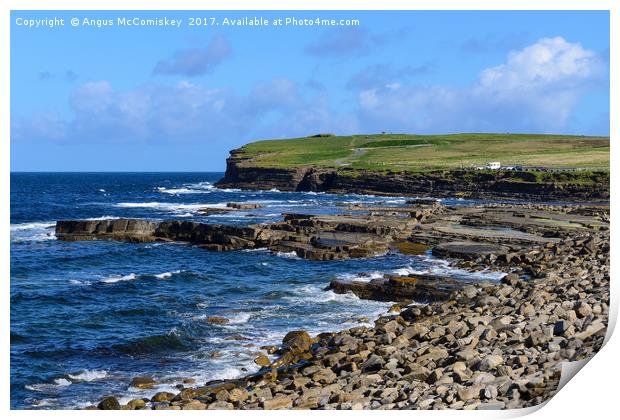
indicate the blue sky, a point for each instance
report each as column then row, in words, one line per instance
column 178, row 99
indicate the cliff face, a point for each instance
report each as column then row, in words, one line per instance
column 240, row 173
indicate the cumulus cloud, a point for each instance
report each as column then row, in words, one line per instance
column 536, row 89
column 196, row 61
column 185, row 112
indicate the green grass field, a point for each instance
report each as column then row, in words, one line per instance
column 399, row 152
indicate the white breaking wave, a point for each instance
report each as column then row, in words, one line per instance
column 55, row 386
column 239, row 318
column 116, row 279
column 185, row 210
column 33, row 231
column 195, row 188
column 180, row 191
column 167, row 274
column 291, row 255
column 89, row 375
column 30, row 226
column 362, row 277
column 104, row 218
column 441, row 267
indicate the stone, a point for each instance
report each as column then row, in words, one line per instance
column 561, row 326
column 297, row 341
column 489, row 392
column 109, row 403
column 391, row 327
column 220, row 405
column 194, row 405
column 238, row 395
column 165, row 406
column 324, row 376
column 136, row 404
column 468, row 393
column 582, row 309
column 219, row 320
column 467, row 354
column 414, row 331
column 222, row 395
column 490, row 362
column 262, row 360
column 263, row 394
column 162, row 397
column 143, row 382
column 278, row 403
column 373, row 364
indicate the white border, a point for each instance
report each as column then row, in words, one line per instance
column 591, row 395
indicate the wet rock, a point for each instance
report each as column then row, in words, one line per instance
column 262, row 360
column 143, row 382
column 297, row 341
column 109, row 403
column 162, row 397
column 244, row 206
column 219, row 320
column 412, row 248
column 136, row 404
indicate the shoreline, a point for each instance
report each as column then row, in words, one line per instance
column 482, row 345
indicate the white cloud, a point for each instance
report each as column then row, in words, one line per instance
column 186, row 112
column 536, row 89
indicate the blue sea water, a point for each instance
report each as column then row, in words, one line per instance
column 87, row 317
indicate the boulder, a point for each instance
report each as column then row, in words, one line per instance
column 109, row 403
column 297, row 341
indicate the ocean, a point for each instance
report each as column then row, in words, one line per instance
column 87, row 317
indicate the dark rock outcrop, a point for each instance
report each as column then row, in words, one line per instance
column 421, row 288
column 320, row 237
column 241, row 172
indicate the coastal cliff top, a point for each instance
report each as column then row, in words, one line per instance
column 428, row 152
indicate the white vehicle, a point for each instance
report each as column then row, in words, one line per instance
column 494, row 165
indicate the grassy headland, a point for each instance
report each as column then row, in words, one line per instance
column 408, row 152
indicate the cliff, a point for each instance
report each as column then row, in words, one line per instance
column 242, row 172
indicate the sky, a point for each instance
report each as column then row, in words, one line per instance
column 106, row 97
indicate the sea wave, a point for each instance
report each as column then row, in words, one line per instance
column 33, row 232
column 439, row 267
column 290, row 255
column 55, row 386
column 89, row 375
column 362, row 277
column 186, row 210
column 117, row 278
column 204, row 187
column 159, row 343
column 167, row 274
column 103, row 218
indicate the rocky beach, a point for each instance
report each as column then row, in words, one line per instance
column 446, row 343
